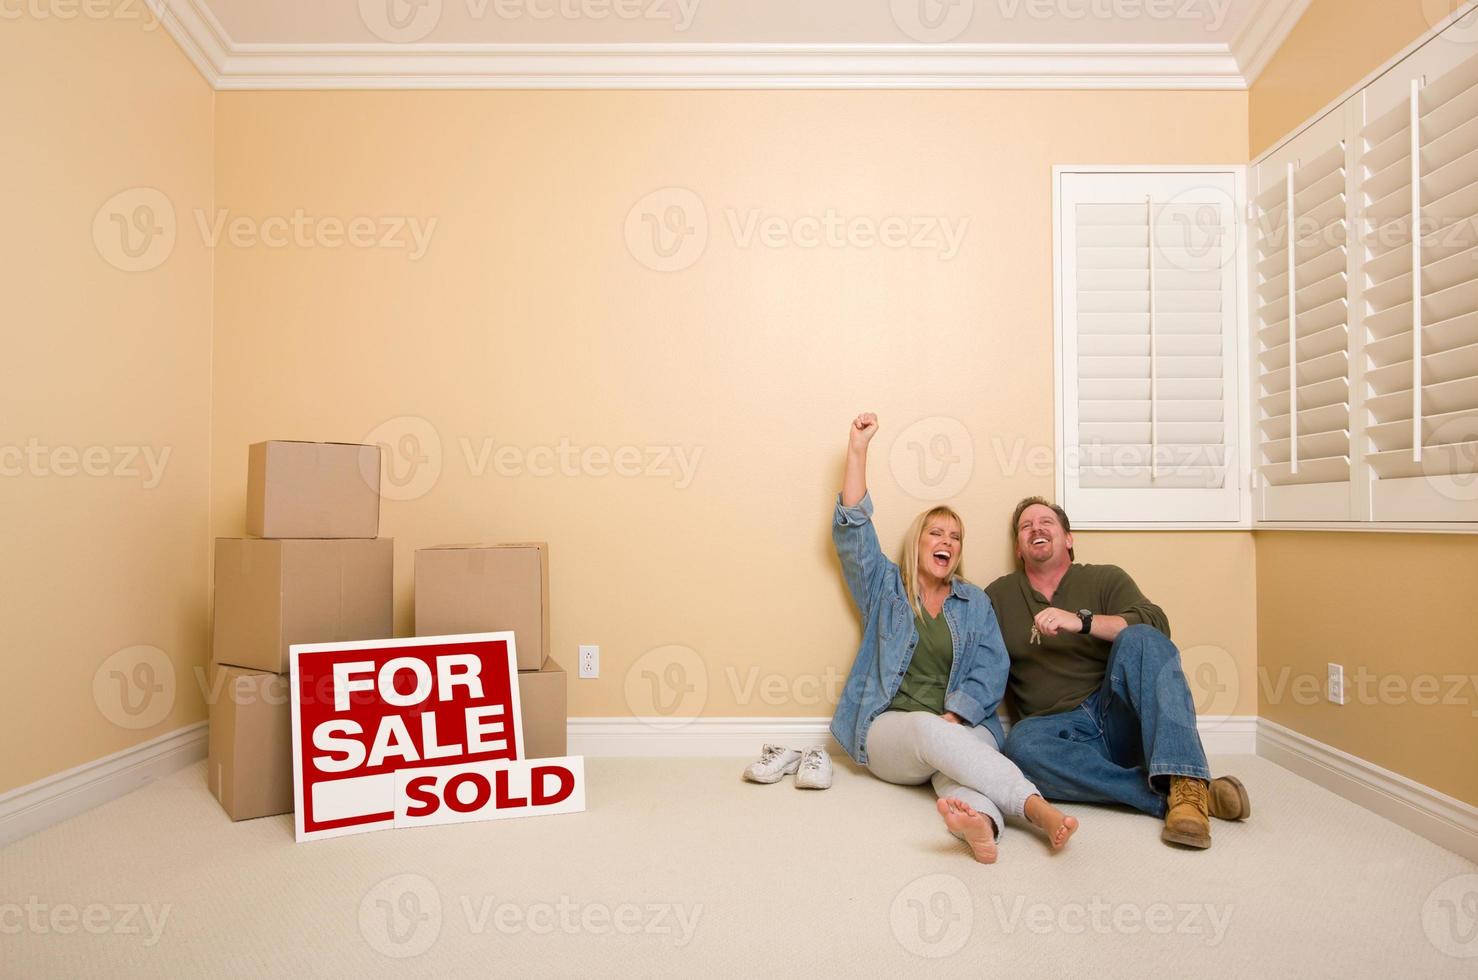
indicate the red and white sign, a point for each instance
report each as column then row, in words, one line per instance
column 425, row 730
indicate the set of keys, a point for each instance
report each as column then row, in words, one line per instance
column 1036, row 637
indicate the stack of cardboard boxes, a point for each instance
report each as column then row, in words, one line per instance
column 485, row 588
column 314, row 571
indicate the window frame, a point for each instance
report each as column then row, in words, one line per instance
column 1064, row 388
column 1335, row 493
column 1415, row 61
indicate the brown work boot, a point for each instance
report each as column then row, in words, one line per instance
column 1188, row 820
column 1229, row 799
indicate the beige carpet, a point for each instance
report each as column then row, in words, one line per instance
column 679, row 868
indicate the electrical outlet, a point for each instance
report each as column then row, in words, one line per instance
column 1336, row 692
column 589, row 660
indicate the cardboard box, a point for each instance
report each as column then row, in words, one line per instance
column 312, row 490
column 483, row 588
column 542, row 698
column 270, row 594
column 250, row 764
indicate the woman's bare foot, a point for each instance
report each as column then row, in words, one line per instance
column 1057, row 825
column 978, row 829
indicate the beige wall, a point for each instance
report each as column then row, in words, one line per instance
column 529, row 321
column 1334, row 46
column 113, row 366
column 1389, row 607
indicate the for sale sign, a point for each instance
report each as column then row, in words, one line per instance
column 428, row 730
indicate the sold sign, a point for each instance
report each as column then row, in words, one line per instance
column 427, row 730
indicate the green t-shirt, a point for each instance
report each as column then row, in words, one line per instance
column 924, row 685
column 1060, row 671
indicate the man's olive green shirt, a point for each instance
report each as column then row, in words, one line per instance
column 1059, row 672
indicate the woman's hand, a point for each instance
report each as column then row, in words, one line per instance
column 854, row 480
column 864, row 427
column 952, row 718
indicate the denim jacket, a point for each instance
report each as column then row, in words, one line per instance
column 977, row 678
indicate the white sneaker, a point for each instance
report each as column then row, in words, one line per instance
column 774, row 762
column 815, row 771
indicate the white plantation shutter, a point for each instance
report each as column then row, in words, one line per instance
column 1365, row 400
column 1421, row 327
column 1301, row 335
column 1148, row 348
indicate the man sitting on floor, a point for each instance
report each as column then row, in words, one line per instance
column 1104, row 714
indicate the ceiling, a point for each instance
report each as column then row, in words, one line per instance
column 1217, row 44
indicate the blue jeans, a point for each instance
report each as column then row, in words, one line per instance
column 1121, row 744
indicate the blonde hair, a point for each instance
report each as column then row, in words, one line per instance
column 909, row 563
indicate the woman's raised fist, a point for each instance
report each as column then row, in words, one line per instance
column 864, row 427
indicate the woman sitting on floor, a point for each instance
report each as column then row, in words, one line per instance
column 920, row 700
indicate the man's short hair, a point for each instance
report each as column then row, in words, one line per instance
column 1067, row 525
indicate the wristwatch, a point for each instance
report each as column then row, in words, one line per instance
column 1087, row 618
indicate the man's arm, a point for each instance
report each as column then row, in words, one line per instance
column 1121, row 594
column 1106, row 626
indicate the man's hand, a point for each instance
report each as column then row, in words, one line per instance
column 864, row 427
column 1051, row 621
column 952, row 718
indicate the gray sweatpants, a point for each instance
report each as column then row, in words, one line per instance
column 911, row 747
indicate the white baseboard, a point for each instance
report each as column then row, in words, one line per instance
column 1440, row 818
column 742, row 737
column 1228, row 735
column 49, row 801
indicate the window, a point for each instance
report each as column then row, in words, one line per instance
column 1366, row 376
column 1148, row 288
column 1301, row 399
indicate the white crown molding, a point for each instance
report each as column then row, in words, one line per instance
column 1436, row 816
column 729, row 66
column 230, row 65
column 1263, row 33
column 199, row 35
